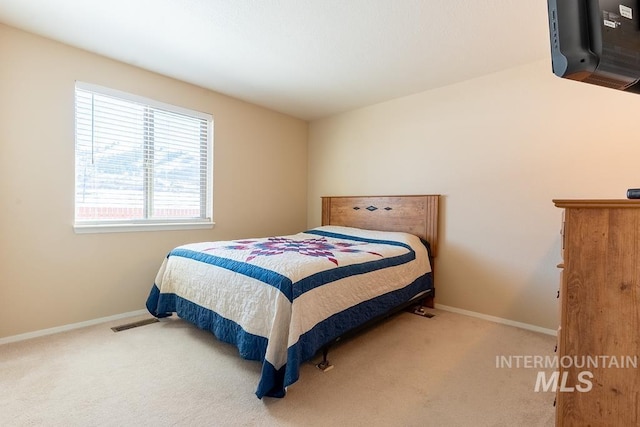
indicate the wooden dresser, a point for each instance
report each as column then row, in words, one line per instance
column 599, row 335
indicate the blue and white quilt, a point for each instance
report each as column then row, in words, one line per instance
column 280, row 299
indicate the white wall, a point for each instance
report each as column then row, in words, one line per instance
column 499, row 149
column 50, row 276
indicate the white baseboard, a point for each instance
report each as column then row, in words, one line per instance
column 64, row 328
column 497, row 320
column 79, row 325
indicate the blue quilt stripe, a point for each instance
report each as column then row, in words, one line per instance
column 356, row 238
column 331, row 328
column 271, row 381
column 274, row 381
column 152, row 303
column 280, row 282
column 328, row 276
column 284, row 284
column 250, row 346
column 346, row 320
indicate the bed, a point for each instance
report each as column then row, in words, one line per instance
column 280, row 300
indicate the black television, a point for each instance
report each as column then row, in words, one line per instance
column 596, row 41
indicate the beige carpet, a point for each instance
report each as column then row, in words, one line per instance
column 408, row 371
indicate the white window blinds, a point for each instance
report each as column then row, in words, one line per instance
column 139, row 161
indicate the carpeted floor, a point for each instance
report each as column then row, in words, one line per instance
column 408, row 371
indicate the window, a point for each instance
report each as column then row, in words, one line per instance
column 140, row 164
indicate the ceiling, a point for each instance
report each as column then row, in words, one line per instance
column 305, row 58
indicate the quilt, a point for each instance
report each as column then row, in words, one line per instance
column 280, row 299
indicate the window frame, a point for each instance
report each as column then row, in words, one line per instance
column 148, row 224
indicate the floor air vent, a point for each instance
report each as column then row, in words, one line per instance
column 134, row 325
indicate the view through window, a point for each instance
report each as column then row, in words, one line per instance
column 139, row 161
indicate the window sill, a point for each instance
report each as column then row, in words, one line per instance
column 123, row 228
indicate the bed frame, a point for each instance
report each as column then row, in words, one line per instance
column 417, row 215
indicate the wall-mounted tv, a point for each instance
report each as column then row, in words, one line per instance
column 596, row 41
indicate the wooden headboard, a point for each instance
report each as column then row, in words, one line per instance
column 411, row 214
